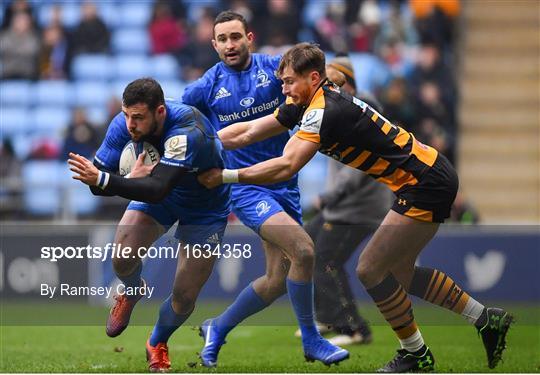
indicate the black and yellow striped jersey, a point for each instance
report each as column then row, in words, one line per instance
column 352, row 132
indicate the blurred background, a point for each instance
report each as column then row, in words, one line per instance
column 463, row 76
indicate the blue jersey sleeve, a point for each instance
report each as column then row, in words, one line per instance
column 182, row 146
column 274, row 61
column 108, row 154
column 194, row 95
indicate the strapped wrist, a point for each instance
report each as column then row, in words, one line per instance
column 230, row 176
column 103, row 180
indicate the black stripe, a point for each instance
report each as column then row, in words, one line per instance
column 400, row 290
column 402, row 314
column 457, row 299
column 440, row 288
column 393, row 307
column 352, row 155
column 405, row 325
column 393, row 133
column 408, row 146
column 447, row 294
column 368, row 163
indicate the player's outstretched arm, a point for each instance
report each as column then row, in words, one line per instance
column 245, row 133
column 151, row 189
column 296, row 154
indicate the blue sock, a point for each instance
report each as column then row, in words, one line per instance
column 301, row 296
column 133, row 280
column 246, row 304
column 167, row 323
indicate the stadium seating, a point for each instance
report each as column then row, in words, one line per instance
column 133, row 40
column 15, row 93
column 42, row 182
column 50, row 121
column 15, row 121
column 90, row 93
column 164, row 67
column 92, row 66
column 53, row 93
column 130, row 67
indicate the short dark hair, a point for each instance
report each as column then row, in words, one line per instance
column 303, row 58
column 229, row 15
column 143, row 90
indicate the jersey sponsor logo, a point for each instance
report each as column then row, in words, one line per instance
column 312, row 121
column 222, row 93
column 249, row 111
column 262, row 79
column 176, row 147
column 262, row 208
column 246, row 102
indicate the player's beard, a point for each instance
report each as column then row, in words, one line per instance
column 243, row 58
column 151, row 135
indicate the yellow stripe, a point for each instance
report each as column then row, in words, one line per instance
column 402, row 138
column 386, row 128
column 347, row 151
column 424, row 153
column 379, row 167
column 312, row 137
column 374, row 117
column 418, row 214
column 359, row 160
column 397, row 179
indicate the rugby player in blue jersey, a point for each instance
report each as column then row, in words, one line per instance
column 161, row 196
column 243, row 87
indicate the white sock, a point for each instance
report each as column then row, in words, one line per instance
column 472, row 311
column 413, row 343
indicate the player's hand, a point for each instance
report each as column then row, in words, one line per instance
column 211, row 178
column 140, row 169
column 83, row 168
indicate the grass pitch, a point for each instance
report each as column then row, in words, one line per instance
column 258, row 347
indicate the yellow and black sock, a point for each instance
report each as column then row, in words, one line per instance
column 396, row 307
column 438, row 288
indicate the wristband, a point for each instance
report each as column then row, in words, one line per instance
column 103, row 180
column 230, row 176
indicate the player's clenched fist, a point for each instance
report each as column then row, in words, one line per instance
column 211, row 178
column 83, row 168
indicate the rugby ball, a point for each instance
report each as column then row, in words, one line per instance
column 130, row 153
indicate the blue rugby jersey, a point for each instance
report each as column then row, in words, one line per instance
column 188, row 141
column 227, row 96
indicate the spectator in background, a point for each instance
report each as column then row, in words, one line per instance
column 279, row 25
column 330, row 30
column 53, row 62
column 397, row 104
column 363, row 24
column 435, row 20
column 17, row 6
column 92, row 34
column 201, row 53
column 10, row 171
column 81, row 137
column 429, row 106
column 19, row 49
column 167, row 34
column 431, row 67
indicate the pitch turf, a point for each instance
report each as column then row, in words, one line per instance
column 259, row 348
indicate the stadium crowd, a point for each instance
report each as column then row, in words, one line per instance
column 62, row 66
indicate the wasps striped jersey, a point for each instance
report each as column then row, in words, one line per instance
column 352, row 132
